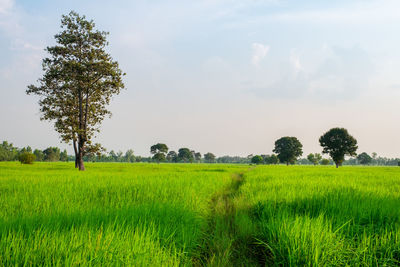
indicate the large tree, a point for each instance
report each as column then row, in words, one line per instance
column 159, row 151
column 185, row 155
column 288, row 149
column 338, row 143
column 79, row 80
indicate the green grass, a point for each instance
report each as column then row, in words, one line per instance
column 322, row 216
column 111, row 214
column 117, row 214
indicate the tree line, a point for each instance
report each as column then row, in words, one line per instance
column 8, row 152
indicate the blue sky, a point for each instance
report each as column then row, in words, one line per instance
column 227, row 76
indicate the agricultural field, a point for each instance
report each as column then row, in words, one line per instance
column 117, row 214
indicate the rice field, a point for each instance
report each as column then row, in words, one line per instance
column 117, row 214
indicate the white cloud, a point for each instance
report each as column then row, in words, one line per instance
column 259, row 52
column 342, row 73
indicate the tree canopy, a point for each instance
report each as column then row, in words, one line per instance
column 185, row 155
column 159, row 151
column 79, row 81
column 364, row 158
column 314, row 158
column 338, row 143
column 209, row 157
column 288, row 149
column 257, row 159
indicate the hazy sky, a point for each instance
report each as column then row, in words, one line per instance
column 229, row 76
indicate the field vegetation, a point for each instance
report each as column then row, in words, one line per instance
column 198, row 215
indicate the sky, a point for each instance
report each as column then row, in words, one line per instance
column 223, row 76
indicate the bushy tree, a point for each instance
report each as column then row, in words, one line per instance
column 8, row 152
column 271, row 159
column 159, row 150
column 364, row 158
column 129, row 156
column 39, row 154
column 79, row 81
column 26, row 157
column 209, row 157
column 172, row 156
column 64, row 156
column 159, row 157
column 325, row 162
column 197, row 156
column 257, row 159
column 185, row 155
column 314, row 158
column 51, row 154
column 288, row 149
column 338, row 143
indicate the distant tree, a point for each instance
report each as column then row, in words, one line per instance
column 364, row 158
column 325, row 162
column 26, row 149
column 79, row 81
column 257, row 159
column 271, row 159
column 172, row 156
column 209, row 157
column 129, row 156
column 234, row 159
column 197, row 156
column 51, row 154
column 314, row 158
column 120, row 156
column 112, row 156
column 288, row 149
column 64, row 155
column 8, row 152
column 39, row 155
column 159, row 150
column 185, row 155
column 338, row 143
column 159, row 157
column 374, row 155
column 26, row 157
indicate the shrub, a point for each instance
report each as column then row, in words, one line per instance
column 325, row 162
column 257, row 159
column 27, row 158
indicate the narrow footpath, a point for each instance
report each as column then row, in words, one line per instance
column 222, row 244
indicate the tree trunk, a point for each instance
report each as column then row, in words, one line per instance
column 76, row 154
column 337, row 164
column 80, row 163
column 287, row 163
column 80, row 157
column 81, row 144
